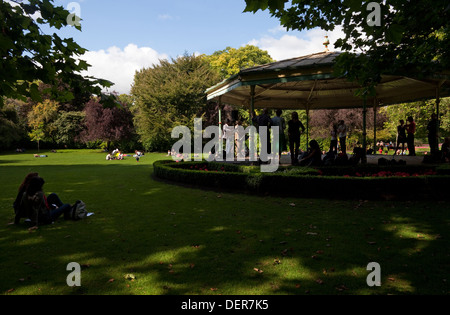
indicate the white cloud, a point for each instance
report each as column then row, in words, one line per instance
column 277, row 29
column 290, row 46
column 119, row 66
column 165, row 17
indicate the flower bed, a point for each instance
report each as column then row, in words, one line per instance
column 362, row 182
column 416, row 173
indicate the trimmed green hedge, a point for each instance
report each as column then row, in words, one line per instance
column 324, row 182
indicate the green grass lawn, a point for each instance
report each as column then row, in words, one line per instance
column 180, row 240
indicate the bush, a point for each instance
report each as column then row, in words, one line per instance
column 331, row 182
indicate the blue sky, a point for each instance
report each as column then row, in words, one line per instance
column 125, row 36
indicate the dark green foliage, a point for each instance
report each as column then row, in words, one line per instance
column 68, row 127
column 28, row 55
column 421, row 112
column 10, row 130
column 168, row 95
column 324, row 182
column 413, row 37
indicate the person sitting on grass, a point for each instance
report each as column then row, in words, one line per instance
column 40, row 209
column 17, row 205
column 137, row 155
column 314, row 155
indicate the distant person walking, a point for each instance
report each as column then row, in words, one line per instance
column 411, row 130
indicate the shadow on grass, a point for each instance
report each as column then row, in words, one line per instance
column 177, row 240
column 9, row 161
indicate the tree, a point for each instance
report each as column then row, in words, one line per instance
column 407, row 37
column 168, row 95
column 37, row 134
column 421, row 112
column 230, row 61
column 77, row 103
column 107, row 124
column 322, row 121
column 68, row 128
column 10, row 130
column 41, row 117
column 27, row 54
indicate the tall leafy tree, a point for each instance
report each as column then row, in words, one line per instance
column 11, row 132
column 77, row 103
column 230, row 61
column 170, row 94
column 408, row 37
column 41, row 119
column 421, row 112
column 111, row 125
column 68, row 128
column 27, row 54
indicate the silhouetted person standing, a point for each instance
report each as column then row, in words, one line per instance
column 401, row 136
column 334, row 141
column 264, row 120
column 281, row 123
column 294, row 126
column 433, row 129
column 411, row 130
column 342, row 134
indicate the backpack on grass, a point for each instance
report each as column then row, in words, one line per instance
column 78, row 211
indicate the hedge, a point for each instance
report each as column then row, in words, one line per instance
column 324, row 182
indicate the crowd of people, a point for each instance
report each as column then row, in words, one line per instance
column 116, row 154
column 338, row 139
column 290, row 134
column 295, row 128
column 406, row 136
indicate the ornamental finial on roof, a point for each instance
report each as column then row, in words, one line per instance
column 326, row 43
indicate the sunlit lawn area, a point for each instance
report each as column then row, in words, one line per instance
column 180, row 240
